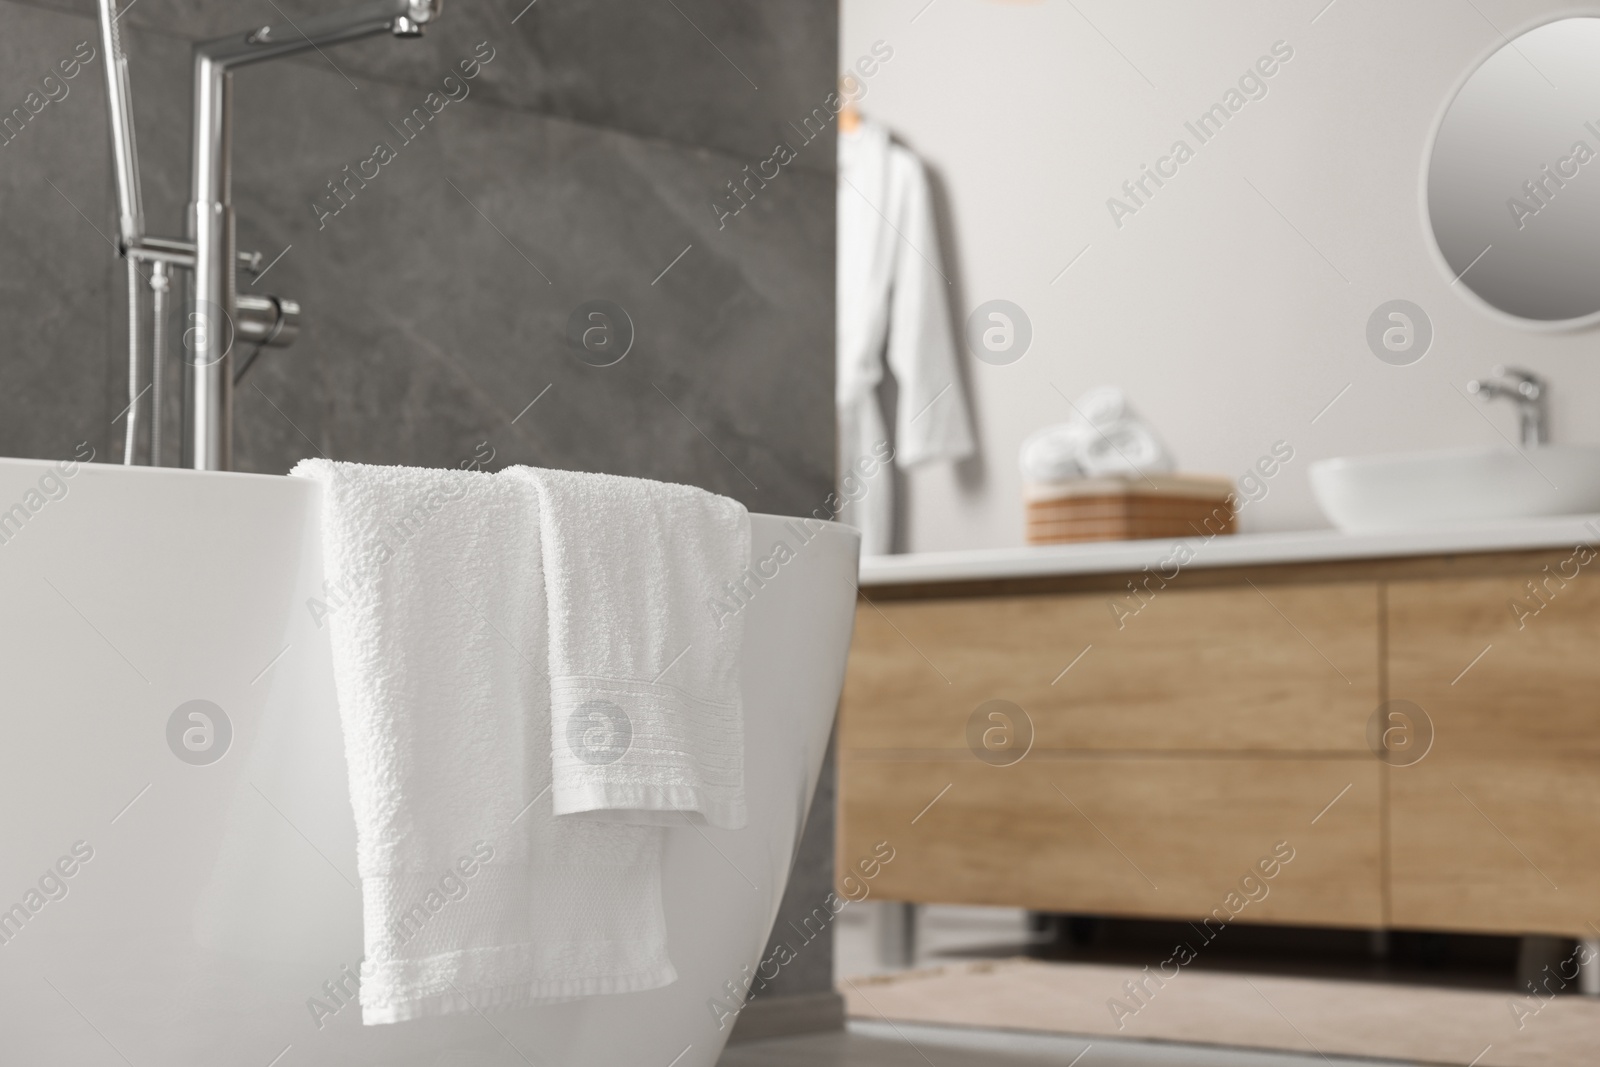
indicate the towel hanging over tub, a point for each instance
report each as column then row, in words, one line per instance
column 476, row 892
column 647, row 722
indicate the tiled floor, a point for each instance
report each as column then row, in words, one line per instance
column 867, row 1044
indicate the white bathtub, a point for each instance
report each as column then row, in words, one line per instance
column 217, row 899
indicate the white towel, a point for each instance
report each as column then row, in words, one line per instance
column 1104, row 405
column 646, row 715
column 1104, row 436
column 1051, row 454
column 1126, row 446
column 475, row 894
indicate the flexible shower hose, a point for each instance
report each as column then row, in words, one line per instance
column 130, row 431
column 159, row 283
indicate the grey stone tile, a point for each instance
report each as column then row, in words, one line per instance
column 730, row 76
column 56, row 299
column 438, row 298
column 428, row 325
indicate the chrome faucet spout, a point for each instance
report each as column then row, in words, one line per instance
column 217, row 316
column 216, row 319
column 1528, row 391
column 318, row 31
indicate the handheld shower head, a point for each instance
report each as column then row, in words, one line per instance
column 124, row 151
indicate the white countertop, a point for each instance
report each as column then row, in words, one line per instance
column 1230, row 550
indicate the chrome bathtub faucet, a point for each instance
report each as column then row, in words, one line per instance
column 217, row 314
column 1525, row 389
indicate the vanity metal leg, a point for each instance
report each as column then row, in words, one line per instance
column 1589, row 966
column 897, row 934
column 1378, row 944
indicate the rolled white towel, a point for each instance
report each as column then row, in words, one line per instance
column 1104, row 436
column 1125, row 447
column 1051, row 454
column 1104, row 405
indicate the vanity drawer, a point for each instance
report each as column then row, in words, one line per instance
column 1282, row 667
column 1113, row 836
column 1495, row 680
column 1495, row 843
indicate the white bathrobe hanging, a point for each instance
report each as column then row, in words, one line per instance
column 892, row 303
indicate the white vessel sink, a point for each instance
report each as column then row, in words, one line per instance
column 1369, row 494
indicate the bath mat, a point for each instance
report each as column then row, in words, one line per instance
column 1302, row 1015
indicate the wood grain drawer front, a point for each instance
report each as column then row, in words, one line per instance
column 1493, row 682
column 1496, row 844
column 1289, row 668
column 1157, row 837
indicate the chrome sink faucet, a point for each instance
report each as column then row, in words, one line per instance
column 1529, row 392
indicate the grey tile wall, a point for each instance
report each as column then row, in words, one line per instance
column 55, row 270
column 582, row 166
column 730, row 76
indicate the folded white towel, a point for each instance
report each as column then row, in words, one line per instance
column 1104, row 436
column 475, row 894
column 646, row 714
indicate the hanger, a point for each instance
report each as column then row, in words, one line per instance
column 849, row 117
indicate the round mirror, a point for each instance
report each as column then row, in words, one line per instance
column 1513, row 183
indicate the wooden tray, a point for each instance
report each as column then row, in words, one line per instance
column 1129, row 509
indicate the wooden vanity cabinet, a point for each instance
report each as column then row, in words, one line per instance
column 1497, row 828
column 1122, row 835
column 1215, row 670
column 1171, row 750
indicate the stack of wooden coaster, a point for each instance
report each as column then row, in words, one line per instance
column 1129, row 508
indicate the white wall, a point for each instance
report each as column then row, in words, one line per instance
column 1228, row 330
